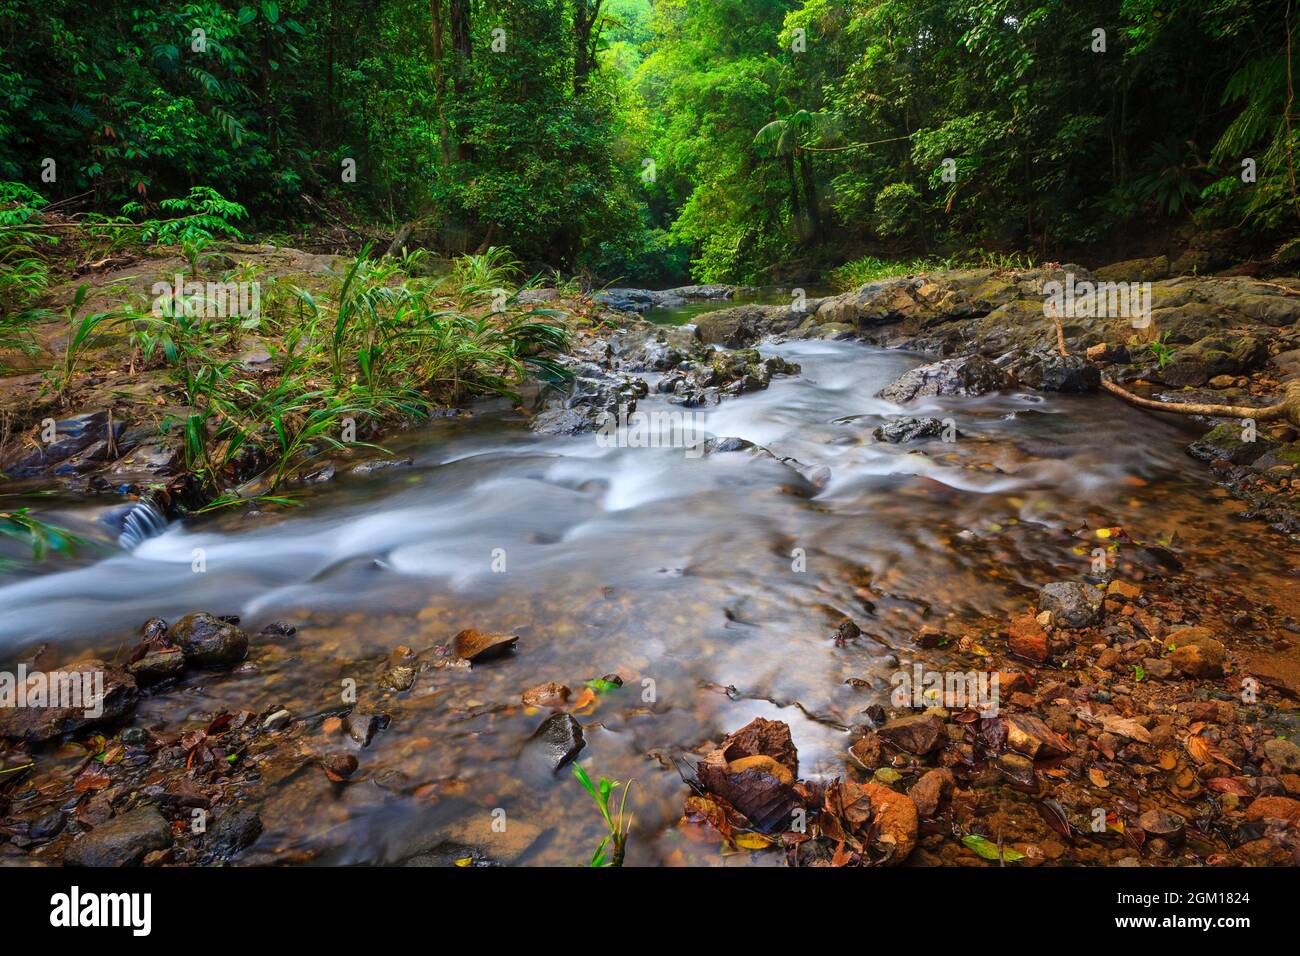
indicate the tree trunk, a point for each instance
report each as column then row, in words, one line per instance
column 586, row 36
column 796, row 208
column 440, row 81
column 462, row 51
column 810, row 196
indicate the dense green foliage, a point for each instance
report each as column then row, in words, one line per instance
column 635, row 137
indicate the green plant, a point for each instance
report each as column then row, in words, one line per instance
column 41, row 536
column 1159, row 349
column 1168, row 183
column 24, row 272
column 81, row 331
column 610, row 850
column 204, row 215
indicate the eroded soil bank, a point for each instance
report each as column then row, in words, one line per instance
column 857, row 513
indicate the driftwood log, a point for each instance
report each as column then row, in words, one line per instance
column 1288, row 409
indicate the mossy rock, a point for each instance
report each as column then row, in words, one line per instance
column 1225, row 442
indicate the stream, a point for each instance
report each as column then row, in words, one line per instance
column 711, row 584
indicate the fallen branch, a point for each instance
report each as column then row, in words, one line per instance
column 1288, row 408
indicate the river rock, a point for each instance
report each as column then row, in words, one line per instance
column 363, row 725
column 1027, row 638
column 899, row 430
column 594, row 397
column 1283, row 754
column 1071, row 603
column 1052, row 372
column 122, row 841
column 48, row 826
column 933, row 787
column 736, row 328
column 209, row 641
column 1216, row 354
column 1226, row 442
column 652, row 350
column 1163, row 825
column 398, row 678
column 558, row 740
column 1017, row 769
column 1195, row 652
column 74, row 436
column 233, row 831
column 478, row 646
column 918, row 734
column 867, row 751
column 1274, row 808
column 158, row 666
column 972, row 375
column 339, row 767
column 278, row 720
column 551, row 694
column 1029, row 735
column 894, row 821
column 381, row 464
column 40, row 723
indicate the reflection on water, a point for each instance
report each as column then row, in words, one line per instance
column 711, row 584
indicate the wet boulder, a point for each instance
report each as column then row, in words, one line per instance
column 157, row 666
column 895, row 822
column 933, row 788
column 380, row 464
column 626, row 300
column 233, row 831
column 557, row 741
column 1163, row 825
column 1135, row 270
column 1051, row 372
column 593, row 397
column 122, row 841
column 1218, row 354
column 1072, row 604
column 1195, row 652
column 551, row 694
column 88, row 436
column 96, row 693
column 651, row 350
column 900, row 430
column 1227, row 442
column 1283, row 754
column 919, row 734
column 208, row 641
column 972, row 375
column 364, row 724
column 744, row 325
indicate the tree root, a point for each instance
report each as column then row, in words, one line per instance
column 1288, row 409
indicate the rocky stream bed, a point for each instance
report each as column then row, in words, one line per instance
column 905, row 480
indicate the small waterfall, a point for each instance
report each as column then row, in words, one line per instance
column 141, row 522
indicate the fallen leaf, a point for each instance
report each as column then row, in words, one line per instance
column 989, row 850
column 1126, row 727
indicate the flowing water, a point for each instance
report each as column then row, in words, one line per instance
column 712, row 584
